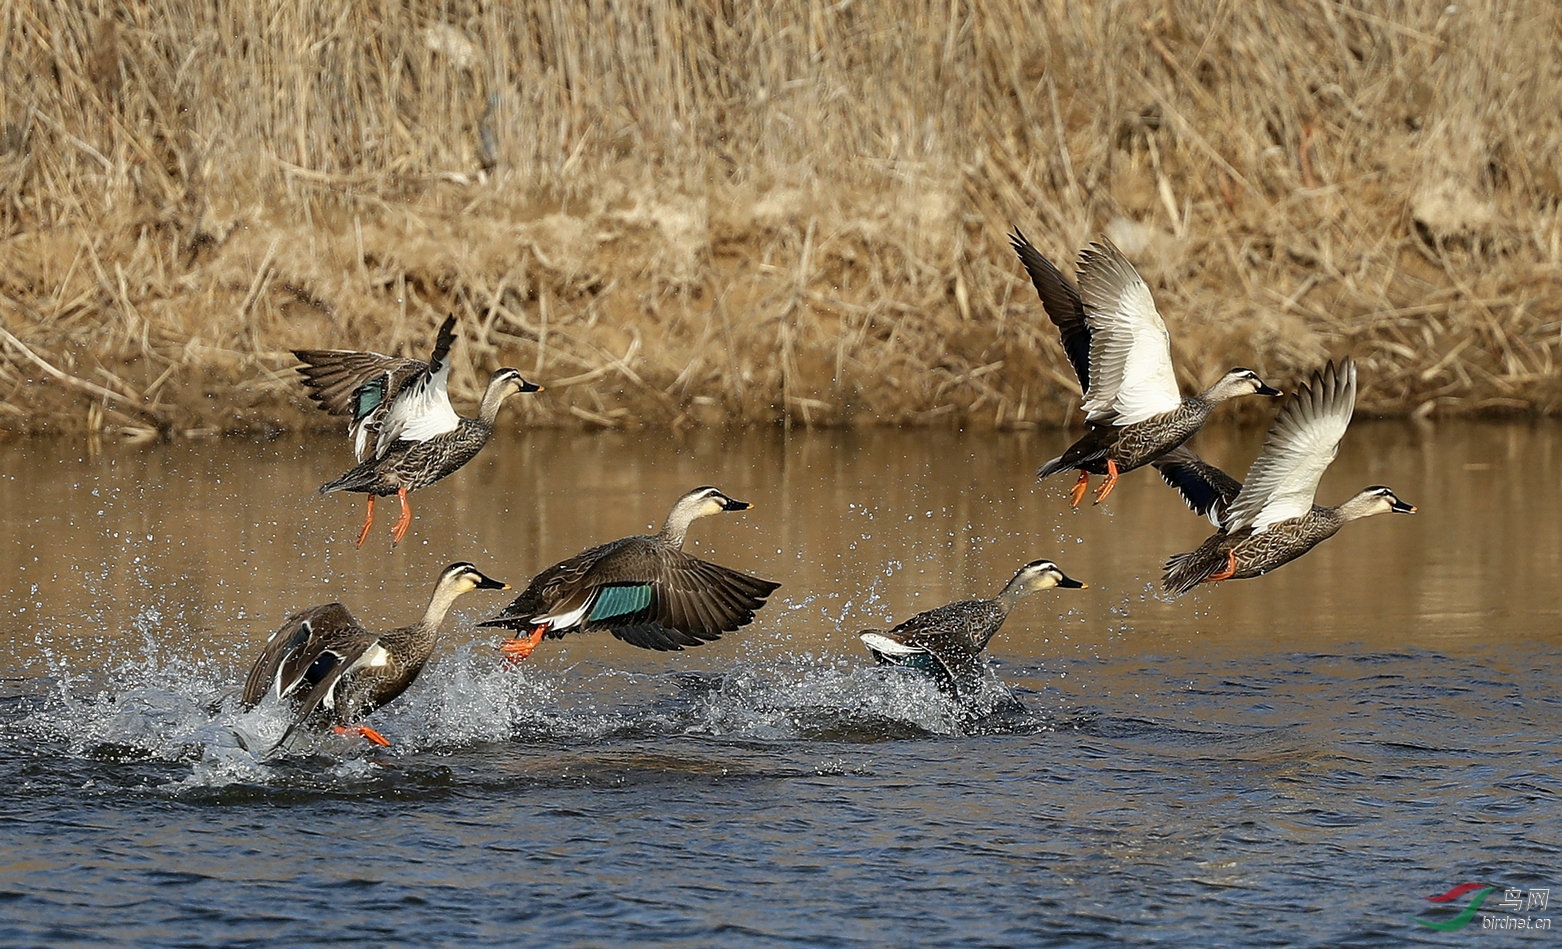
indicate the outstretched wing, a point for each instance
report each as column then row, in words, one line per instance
column 661, row 599
column 293, row 653
column 334, row 664
column 358, row 385
column 1207, row 490
column 1130, row 351
column 554, row 593
column 421, row 409
column 385, row 395
column 680, row 601
column 1303, row 440
column 334, row 376
column 1061, row 301
column 705, row 599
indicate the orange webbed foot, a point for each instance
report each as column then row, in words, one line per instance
column 364, row 730
column 404, row 521
column 1228, row 570
column 1077, row 492
column 368, row 522
column 1109, row 483
column 521, row 647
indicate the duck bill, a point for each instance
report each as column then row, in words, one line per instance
column 731, row 505
column 1400, row 507
column 531, row 387
column 1069, row 583
column 1269, row 391
column 489, row 583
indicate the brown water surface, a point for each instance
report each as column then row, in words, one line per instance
column 1298, row 758
column 206, row 545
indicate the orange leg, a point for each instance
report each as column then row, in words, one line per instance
column 521, row 646
column 1109, row 483
column 1077, row 492
column 404, row 521
column 363, row 730
column 1228, row 570
column 368, row 520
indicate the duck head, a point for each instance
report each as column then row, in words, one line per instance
column 1377, row 499
column 1239, row 382
column 701, row 502
column 503, row 384
column 509, row 381
column 1041, row 575
column 454, row 580
column 464, row 578
column 705, row 501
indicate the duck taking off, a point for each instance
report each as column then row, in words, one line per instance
column 323, row 658
column 405, row 433
column 947, row 642
column 643, row 589
column 1120, row 350
column 1271, row 519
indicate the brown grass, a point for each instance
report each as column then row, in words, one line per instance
column 695, row 212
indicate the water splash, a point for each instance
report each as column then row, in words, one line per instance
column 168, row 709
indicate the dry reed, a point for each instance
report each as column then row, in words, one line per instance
column 693, row 211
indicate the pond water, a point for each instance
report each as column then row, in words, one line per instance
column 1297, row 759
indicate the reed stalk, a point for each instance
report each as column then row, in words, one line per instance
column 681, row 212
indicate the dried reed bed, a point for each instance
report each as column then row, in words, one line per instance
column 683, row 212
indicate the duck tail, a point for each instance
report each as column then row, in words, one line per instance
column 1051, row 468
column 885, row 650
column 360, row 478
column 1183, row 572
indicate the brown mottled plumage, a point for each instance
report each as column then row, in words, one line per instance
column 323, row 658
column 947, row 641
column 1271, row 520
column 1120, row 350
column 644, row 589
column 405, row 433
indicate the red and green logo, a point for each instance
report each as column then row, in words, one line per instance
column 1468, row 913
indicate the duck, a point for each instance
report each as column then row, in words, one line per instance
column 947, row 642
column 1270, row 519
column 1118, row 345
column 643, row 589
column 405, row 433
column 323, row 658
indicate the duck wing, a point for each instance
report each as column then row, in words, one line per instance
column 644, row 592
column 953, row 635
column 333, row 664
column 956, row 670
column 928, row 643
column 672, row 600
column 1207, row 490
column 303, row 649
column 366, row 386
column 1061, row 301
column 420, row 409
column 556, row 592
column 1130, row 351
column 335, row 376
column 358, row 385
column 1302, row 442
